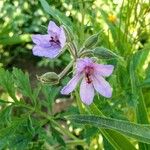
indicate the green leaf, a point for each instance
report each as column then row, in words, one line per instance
column 145, row 83
column 55, row 13
column 91, row 41
column 9, row 135
column 50, row 93
column 4, row 102
column 5, row 115
column 30, row 125
column 136, row 131
column 7, row 83
column 23, row 83
column 16, row 39
column 57, row 136
column 116, row 139
column 141, row 110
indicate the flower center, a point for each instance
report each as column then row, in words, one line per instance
column 54, row 40
column 88, row 70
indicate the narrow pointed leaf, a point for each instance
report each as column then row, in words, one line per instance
column 136, row 131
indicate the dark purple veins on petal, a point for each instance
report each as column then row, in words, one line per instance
column 54, row 40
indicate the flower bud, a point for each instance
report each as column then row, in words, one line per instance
column 49, row 78
column 68, row 33
column 105, row 53
column 91, row 41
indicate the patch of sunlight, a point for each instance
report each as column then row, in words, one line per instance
column 29, row 46
column 44, row 19
column 1, row 65
column 38, row 12
column 1, row 4
column 25, row 5
column 146, row 1
column 137, row 146
column 146, row 62
column 6, row 54
column 57, row 101
column 77, row 131
column 63, row 126
column 18, row 11
column 75, row 13
column 68, row 13
column 16, row 3
column 11, row 34
column 100, row 139
column 118, row 2
column 68, row 122
column 70, row 128
column 7, row 19
column 67, row 6
column 6, row 97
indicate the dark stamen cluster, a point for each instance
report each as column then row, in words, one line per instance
column 54, row 40
column 88, row 72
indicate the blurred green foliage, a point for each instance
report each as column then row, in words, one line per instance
column 26, row 113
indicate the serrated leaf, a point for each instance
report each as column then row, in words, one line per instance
column 23, row 83
column 7, row 83
column 50, row 93
column 5, row 115
column 57, row 136
column 8, row 134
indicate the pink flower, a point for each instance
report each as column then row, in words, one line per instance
column 50, row 44
column 92, row 76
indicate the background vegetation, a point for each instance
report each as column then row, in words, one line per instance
column 37, row 116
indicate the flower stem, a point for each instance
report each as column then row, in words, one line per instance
column 73, row 49
column 64, row 72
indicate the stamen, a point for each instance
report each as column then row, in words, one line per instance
column 54, row 40
column 88, row 72
column 88, row 79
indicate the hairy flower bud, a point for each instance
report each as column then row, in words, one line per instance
column 49, row 78
column 104, row 53
column 91, row 41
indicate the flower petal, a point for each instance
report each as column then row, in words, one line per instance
column 49, row 52
column 53, row 28
column 41, row 40
column 86, row 92
column 83, row 62
column 103, row 70
column 62, row 37
column 71, row 85
column 102, row 86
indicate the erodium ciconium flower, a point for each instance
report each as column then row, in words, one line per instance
column 49, row 45
column 92, row 76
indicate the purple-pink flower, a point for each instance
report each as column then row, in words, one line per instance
column 49, row 45
column 92, row 76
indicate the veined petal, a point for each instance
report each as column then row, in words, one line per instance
column 103, row 70
column 53, row 28
column 102, row 86
column 49, row 52
column 62, row 37
column 71, row 85
column 86, row 92
column 41, row 40
column 82, row 63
